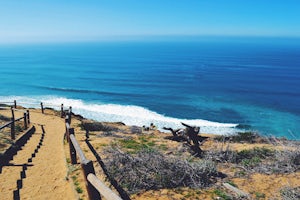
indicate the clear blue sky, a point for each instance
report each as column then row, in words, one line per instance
column 68, row 20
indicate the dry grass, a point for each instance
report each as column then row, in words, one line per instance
column 149, row 169
column 5, row 133
column 144, row 164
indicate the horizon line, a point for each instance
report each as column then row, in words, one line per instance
column 166, row 37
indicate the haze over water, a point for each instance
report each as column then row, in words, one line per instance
column 248, row 81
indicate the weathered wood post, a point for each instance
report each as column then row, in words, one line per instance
column 88, row 168
column 25, row 121
column 87, row 134
column 67, row 135
column 70, row 114
column 28, row 116
column 42, row 107
column 12, row 126
column 15, row 104
column 62, row 110
column 71, row 146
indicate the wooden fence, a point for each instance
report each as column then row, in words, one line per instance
column 26, row 118
column 94, row 186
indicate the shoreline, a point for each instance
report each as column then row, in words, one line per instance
column 124, row 137
column 217, row 130
column 129, row 114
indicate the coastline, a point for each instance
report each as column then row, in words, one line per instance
column 129, row 114
column 120, row 135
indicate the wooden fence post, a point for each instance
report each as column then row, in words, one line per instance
column 28, row 117
column 15, row 104
column 62, row 110
column 25, row 120
column 67, row 135
column 87, row 134
column 12, row 126
column 71, row 146
column 88, row 168
column 70, row 114
column 42, row 107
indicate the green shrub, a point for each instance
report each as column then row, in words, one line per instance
column 136, row 145
column 259, row 195
column 79, row 190
column 96, row 126
column 222, row 194
column 259, row 152
column 249, row 137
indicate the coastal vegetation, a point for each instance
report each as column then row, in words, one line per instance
column 147, row 163
column 150, row 160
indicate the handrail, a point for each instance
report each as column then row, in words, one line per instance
column 6, row 125
column 1, row 107
column 51, row 104
column 13, row 105
column 27, row 103
column 94, row 186
column 67, row 126
column 9, row 123
column 102, row 188
column 20, row 110
column 26, row 117
column 78, row 149
column 19, row 119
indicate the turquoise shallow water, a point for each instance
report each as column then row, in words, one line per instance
column 216, row 84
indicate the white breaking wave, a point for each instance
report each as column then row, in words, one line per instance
column 128, row 114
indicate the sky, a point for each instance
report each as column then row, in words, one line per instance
column 74, row 20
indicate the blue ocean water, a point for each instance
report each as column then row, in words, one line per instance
column 216, row 83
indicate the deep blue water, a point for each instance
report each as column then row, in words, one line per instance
column 249, row 82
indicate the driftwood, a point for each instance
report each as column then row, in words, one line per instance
column 190, row 133
column 176, row 132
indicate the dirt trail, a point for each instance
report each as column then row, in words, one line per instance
column 45, row 176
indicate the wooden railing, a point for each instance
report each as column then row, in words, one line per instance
column 94, row 186
column 10, row 103
column 26, row 118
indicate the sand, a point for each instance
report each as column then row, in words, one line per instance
column 46, row 175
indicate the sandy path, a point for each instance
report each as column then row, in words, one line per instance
column 46, row 178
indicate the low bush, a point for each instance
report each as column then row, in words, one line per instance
column 289, row 193
column 249, row 137
column 260, row 153
column 150, row 169
column 97, row 126
column 135, row 145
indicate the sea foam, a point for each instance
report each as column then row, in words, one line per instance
column 128, row 114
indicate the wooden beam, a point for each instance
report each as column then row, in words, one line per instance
column 77, row 147
column 72, row 147
column 102, row 188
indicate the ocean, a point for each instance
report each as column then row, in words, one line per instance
column 222, row 85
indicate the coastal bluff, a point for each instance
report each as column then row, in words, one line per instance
column 229, row 166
